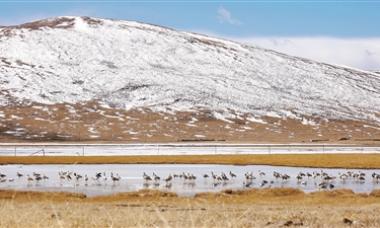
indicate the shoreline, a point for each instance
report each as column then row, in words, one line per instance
column 254, row 194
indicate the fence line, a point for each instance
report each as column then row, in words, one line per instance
column 176, row 149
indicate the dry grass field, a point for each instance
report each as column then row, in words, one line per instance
column 254, row 208
column 360, row 161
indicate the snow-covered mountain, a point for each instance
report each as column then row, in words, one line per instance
column 129, row 66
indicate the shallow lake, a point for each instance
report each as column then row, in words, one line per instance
column 131, row 178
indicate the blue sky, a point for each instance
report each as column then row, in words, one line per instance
column 296, row 18
column 276, row 21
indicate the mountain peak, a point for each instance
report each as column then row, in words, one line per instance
column 57, row 22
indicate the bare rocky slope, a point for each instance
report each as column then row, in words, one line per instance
column 82, row 78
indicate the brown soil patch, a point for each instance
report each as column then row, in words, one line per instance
column 92, row 122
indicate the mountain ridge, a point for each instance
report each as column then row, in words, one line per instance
column 43, row 23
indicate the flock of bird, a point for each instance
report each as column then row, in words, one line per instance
column 320, row 179
column 63, row 176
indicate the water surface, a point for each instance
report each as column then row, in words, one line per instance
column 131, row 178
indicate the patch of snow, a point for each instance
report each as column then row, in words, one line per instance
column 273, row 114
column 16, row 132
column 240, row 130
column 43, row 108
column 368, row 126
column 222, row 117
column 92, row 130
column 308, row 122
column 193, row 119
column 64, row 136
column 256, row 120
column 200, row 136
column 14, row 117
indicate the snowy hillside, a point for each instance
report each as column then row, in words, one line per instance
column 133, row 65
column 129, row 66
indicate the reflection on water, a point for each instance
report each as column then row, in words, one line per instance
column 182, row 179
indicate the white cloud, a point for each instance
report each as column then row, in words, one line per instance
column 363, row 53
column 225, row 16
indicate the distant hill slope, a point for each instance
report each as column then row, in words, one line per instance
column 81, row 78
